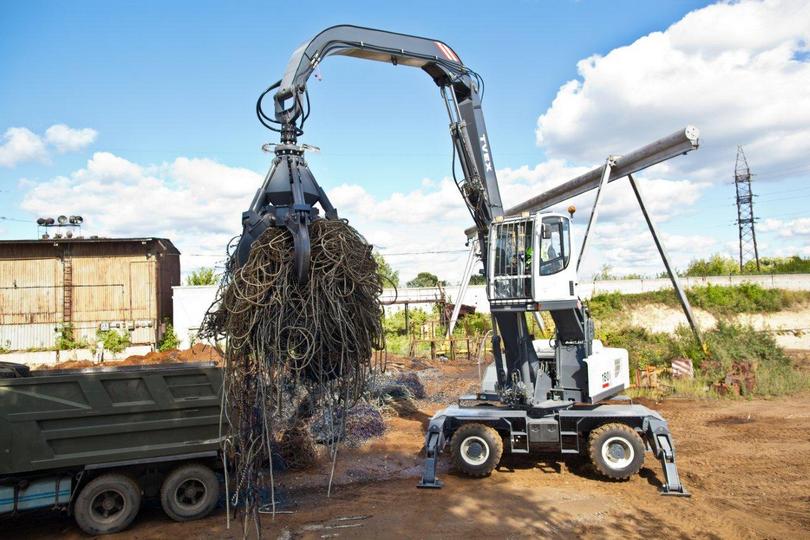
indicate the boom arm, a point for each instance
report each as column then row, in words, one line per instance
column 460, row 89
column 290, row 192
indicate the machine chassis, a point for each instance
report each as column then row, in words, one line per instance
column 555, row 427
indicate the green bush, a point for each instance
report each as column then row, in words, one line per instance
column 425, row 279
column 716, row 299
column 604, row 305
column 66, row 341
column 170, row 340
column 644, row 348
column 726, row 346
column 388, row 276
column 113, row 340
column 780, row 265
column 203, row 276
column 473, row 324
column 718, row 265
column 743, row 298
column 395, row 324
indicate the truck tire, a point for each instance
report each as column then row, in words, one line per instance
column 616, row 451
column 107, row 504
column 476, row 449
column 189, row 492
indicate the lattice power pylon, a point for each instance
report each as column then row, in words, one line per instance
column 745, row 211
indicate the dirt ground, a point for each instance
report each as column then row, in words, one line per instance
column 197, row 353
column 746, row 463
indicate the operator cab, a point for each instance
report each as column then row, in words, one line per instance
column 531, row 261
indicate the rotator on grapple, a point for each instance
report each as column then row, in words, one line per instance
column 289, row 192
column 535, row 397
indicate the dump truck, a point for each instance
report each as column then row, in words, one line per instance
column 93, row 442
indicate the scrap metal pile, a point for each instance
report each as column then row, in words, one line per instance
column 293, row 350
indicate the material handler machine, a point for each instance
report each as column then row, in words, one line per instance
column 562, row 395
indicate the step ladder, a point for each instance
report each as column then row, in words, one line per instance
column 67, row 288
column 518, row 440
column 569, row 437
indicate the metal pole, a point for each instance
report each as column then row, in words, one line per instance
column 609, row 162
column 462, row 289
column 673, row 276
column 675, row 144
column 539, row 320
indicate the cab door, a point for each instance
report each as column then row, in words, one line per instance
column 554, row 271
column 511, row 244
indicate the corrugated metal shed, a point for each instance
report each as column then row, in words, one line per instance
column 87, row 283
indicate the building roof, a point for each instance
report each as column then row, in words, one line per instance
column 164, row 242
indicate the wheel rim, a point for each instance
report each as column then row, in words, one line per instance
column 108, row 505
column 190, row 493
column 618, row 453
column 474, row 450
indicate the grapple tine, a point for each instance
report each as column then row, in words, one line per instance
column 301, row 243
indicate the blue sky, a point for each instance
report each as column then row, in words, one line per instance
column 159, row 81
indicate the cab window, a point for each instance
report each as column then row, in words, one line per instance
column 555, row 245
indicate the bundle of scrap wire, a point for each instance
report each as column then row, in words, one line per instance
column 292, row 350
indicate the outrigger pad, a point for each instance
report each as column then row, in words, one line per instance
column 437, row 484
column 683, row 493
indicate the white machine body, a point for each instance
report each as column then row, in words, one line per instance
column 608, row 369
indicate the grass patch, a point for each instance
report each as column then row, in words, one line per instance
column 731, row 351
column 720, row 300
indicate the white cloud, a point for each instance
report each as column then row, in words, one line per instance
column 19, row 145
column 739, row 71
column 786, row 228
column 67, row 139
column 424, row 220
column 197, row 203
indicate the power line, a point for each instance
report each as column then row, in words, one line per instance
column 4, row 218
column 424, row 252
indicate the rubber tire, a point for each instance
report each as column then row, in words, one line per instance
column 491, row 438
column 174, row 508
column 601, row 435
column 125, row 486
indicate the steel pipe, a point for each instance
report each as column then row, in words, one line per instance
column 675, row 144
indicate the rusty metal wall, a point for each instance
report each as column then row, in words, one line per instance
column 113, row 288
column 118, row 291
column 30, row 291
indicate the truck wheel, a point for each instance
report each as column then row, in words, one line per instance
column 189, row 492
column 616, row 450
column 476, row 449
column 107, row 504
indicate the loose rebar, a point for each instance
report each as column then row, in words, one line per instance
column 292, row 350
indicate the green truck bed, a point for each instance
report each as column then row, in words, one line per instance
column 60, row 420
